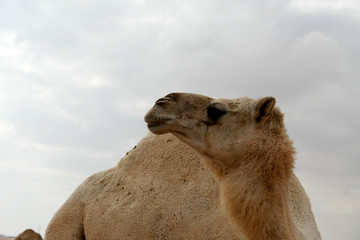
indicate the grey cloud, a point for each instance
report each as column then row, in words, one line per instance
column 79, row 77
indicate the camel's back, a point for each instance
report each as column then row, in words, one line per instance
column 301, row 212
column 159, row 190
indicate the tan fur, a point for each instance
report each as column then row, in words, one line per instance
column 29, row 234
column 159, row 190
column 245, row 145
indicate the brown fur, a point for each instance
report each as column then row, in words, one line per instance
column 245, row 145
column 29, row 234
column 255, row 193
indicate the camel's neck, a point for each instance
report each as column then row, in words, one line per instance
column 256, row 195
column 260, row 210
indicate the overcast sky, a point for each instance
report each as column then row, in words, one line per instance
column 77, row 78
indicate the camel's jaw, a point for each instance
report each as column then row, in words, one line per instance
column 158, row 120
column 158, row 125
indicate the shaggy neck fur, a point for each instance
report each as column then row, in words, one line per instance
column 254, row 187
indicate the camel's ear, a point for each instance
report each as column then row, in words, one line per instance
column 263, row 109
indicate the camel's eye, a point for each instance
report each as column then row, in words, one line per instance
column 215, row 113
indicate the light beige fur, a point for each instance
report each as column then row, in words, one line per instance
column 29, row 234
column 159, row 190
column 245, row 145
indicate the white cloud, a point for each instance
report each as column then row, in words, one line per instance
column 7, row 48
column 92, row 81
column 350, row 7
column 136, row 108
column 317, row 44
column 6, row 127
column 26, row 167
column 64, row 114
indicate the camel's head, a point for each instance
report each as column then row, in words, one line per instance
column 214, row 127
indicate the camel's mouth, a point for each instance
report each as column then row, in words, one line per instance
column 159, row 120
column 151, row 123
column 156, row 123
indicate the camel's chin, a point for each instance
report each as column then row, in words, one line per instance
column 157, row 128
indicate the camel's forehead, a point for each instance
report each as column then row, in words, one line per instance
column 194, row 95
column 238, row 103
column 234, row 104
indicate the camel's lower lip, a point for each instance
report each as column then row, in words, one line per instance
column 157, row 120
column 154, row 124
column 158, row 124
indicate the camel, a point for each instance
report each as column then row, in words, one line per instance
column 29, row 234
column 158, row 190
column 245, row 145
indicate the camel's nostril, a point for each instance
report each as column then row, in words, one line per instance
column 162, row 101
